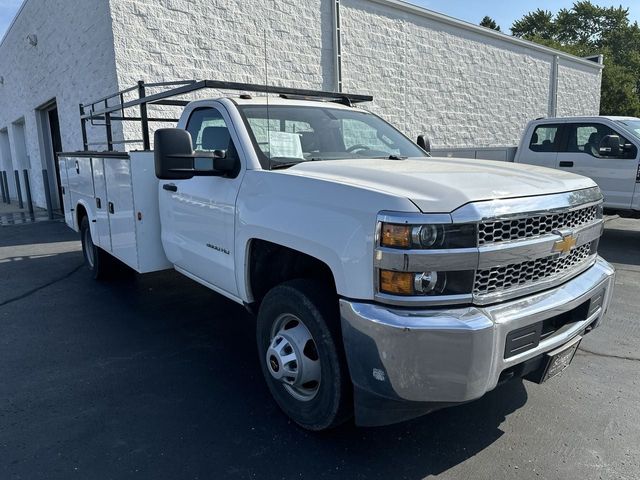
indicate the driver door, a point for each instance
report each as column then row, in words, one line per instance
column 198, row 214
column 615, row 176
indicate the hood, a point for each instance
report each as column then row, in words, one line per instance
column 441, row 185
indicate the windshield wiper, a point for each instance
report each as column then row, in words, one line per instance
column 283, row 162
column 277, row 166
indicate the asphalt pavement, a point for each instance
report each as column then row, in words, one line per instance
column 155, row 377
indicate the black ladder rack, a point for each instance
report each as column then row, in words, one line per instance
column 112, row 107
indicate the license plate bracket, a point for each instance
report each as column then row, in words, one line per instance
column 559, row 359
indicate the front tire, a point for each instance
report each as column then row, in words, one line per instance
column 301, row 354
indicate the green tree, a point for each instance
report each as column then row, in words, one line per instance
column 535, row 25
column 489, row 22
column 587, row 29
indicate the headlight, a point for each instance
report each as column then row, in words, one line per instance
column 426, row 283
column 600, row 211
column 427, row 236
column 432, row 236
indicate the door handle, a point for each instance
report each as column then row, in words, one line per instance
column 111, row 209
column 98, row 202
column 566, row 164
column 170, row 187
column 77, row 168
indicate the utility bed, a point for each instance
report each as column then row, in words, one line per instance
column 123, row 190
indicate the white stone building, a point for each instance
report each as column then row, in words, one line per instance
column 460, row 84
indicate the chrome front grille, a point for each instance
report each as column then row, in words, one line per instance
column 518, row 229
column 521, row 274
column 520, row 247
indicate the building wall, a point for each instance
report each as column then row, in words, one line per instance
column 280, row 42
column 578, row 90
column 460, row 87
column 72, row 62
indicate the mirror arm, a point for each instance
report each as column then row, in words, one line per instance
column 194, row 155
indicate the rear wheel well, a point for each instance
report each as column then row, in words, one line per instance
column 271, row 264
column 81, row 212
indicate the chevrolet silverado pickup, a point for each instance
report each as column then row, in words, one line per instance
column 385, row 283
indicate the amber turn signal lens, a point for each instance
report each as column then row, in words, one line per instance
column 397, row 283
column 397, row 236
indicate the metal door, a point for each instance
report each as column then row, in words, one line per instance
column 198, row 214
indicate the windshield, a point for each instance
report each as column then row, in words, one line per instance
column 286, row 135
column 633, row 126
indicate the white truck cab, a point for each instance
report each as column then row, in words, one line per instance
column 603, row 148
column 385, row 283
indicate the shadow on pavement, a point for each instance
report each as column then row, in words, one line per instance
column 47, row 231
column 157, row 375
column 620, row 245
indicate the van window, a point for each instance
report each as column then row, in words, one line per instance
column 545, row 138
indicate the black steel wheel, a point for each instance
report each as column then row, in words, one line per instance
column 302, row 356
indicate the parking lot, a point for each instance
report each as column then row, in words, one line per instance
column 157, row 377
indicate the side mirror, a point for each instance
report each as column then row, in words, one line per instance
column 424, row 143
column 610, row 146
column 175, row 159
column 212, row 163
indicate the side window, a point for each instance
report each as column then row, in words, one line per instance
column 209, row 131
column 586, row 138
column 545, row 138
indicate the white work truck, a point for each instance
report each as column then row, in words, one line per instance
column 386, row 283
column 603, row 148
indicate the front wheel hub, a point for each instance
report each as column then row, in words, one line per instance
column 292, row 357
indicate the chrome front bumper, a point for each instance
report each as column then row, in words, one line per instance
column 448, row 356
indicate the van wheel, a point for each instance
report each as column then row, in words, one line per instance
column 301, row 354
column 99, row 262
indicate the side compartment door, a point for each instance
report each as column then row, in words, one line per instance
column 198, row 215
column 102, row 218
column 615, row 175
column 117, row 172
column 80, row 178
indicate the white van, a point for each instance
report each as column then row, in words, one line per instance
column 602, row 148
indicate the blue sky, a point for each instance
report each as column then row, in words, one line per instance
column 8, row 9
column 503, row 11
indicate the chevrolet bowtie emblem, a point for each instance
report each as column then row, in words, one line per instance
column 565, row 245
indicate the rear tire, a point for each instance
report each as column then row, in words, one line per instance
column 302, row 356
column 100, row 263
